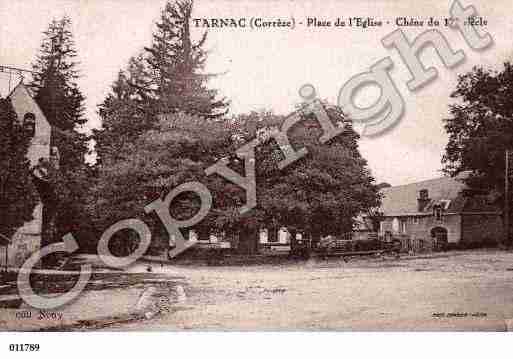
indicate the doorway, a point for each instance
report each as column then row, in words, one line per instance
column 439, row 236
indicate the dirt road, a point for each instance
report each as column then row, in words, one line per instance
column 457, row 291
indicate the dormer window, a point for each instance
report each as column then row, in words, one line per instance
column 445, row 203
column 29, row 124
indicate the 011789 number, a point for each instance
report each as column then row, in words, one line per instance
column 24, row 347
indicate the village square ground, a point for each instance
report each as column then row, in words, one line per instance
column 467, row 290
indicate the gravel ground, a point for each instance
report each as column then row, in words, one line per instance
column 450, row 291
column 453, row 291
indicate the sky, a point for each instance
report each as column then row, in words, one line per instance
column 264, row 69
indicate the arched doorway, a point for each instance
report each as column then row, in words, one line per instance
column 439, row 236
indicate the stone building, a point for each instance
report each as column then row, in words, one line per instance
column 28, row 237
column 441, row 212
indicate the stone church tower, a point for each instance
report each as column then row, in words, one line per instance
column 28, row 237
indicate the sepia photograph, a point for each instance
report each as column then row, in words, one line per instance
column 254, row 166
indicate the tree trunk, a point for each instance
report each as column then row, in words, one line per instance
column 248, row 242
column 293, row 240
column 272, row 234
column 316, row 238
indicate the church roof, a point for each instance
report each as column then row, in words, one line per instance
column 23, row 101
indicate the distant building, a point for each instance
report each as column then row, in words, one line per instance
column 27, row 238
column 440, row 211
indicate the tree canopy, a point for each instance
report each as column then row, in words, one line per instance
column 126, row 112
column 480, row 127
column 176, row 151
column 57, row 93
column 176, row 63
column 322, row 192
column 162, row 126
column 59, row 97
column 166, row 77
column 319, row 194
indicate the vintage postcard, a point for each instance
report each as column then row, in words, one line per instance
column 219, row 165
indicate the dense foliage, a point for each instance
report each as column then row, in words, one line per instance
column 18, row 196
column 162, row 126
column 480, row 127
column 57, row 93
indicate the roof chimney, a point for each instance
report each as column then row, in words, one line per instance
column 423, row 199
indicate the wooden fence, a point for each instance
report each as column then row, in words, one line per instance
column 415, row 245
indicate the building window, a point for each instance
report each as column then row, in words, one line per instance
column 395, row 225
column 416, row 220
column 403, row 226
column 424, row 194
column 445, row 204
column 29, row 124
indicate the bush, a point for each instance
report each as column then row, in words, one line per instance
column 476, row 244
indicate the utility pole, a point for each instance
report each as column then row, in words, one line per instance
column 506, row 199
column 2, row 204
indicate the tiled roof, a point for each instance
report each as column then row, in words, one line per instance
column 402, row 200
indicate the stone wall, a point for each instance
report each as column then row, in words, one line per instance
column 420, row 227
column 469, row 228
